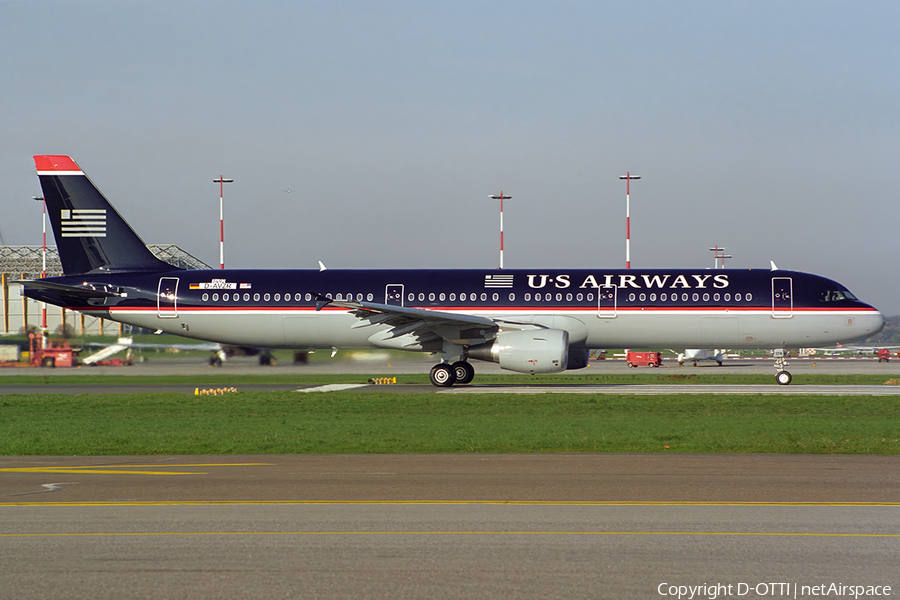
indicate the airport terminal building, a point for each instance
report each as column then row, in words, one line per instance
column 19, row 314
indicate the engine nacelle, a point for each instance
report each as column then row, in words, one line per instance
column 526, row 351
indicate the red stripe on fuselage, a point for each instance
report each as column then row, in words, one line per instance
column 489, row 309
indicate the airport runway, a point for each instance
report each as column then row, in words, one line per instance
column 386, row 365
column 445, row 526
column 357, row 373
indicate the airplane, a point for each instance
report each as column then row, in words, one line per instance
column 527, row 320
column 857, row 350
column 697, row 354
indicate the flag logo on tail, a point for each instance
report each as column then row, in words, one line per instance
column 83, row 222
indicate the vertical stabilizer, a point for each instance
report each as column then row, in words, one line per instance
column 90, row 235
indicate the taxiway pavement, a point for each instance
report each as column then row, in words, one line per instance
column 445, row 526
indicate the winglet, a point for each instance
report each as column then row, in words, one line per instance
column 322, row 266
column 772, row 262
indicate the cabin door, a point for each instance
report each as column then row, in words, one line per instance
column 393, row 294
column 607, row 298
column 782, row 298
column 167, row 298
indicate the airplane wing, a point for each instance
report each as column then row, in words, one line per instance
column 421, row 325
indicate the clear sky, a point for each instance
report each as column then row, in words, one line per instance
column 766, row 127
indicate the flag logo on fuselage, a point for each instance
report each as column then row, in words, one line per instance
column 83, row 222
column 498, row 281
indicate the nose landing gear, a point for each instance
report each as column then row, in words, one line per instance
column 782, row 377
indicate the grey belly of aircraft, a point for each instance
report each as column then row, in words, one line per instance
column 332, row 329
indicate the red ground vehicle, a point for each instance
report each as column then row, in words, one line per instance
column 56, row 354
column 884, row 355
column 649, row 359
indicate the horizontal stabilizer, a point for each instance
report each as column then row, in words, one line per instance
column 88, row 292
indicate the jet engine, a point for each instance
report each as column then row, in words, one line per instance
column 526, row 351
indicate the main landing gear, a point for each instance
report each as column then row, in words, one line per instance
column 446, row 375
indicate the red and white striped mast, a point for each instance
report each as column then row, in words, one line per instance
column 222, row 181
column 720, row 253
column 501, row 198
column 628, row 177
column 43, row 270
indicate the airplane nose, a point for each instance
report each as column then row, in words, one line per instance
column 874, row 322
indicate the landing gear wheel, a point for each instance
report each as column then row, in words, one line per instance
column 442, row 375
column 465, row 372
column 783, row 377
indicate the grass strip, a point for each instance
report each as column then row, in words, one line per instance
column 389, row 422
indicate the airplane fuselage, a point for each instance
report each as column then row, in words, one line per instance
column 598, row 308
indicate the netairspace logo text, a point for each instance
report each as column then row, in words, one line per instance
column 769, row 590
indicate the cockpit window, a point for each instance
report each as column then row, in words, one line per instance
column 837, row 295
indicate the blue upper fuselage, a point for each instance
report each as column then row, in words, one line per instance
column 472, row 289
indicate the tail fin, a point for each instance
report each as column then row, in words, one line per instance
column 90, row 235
